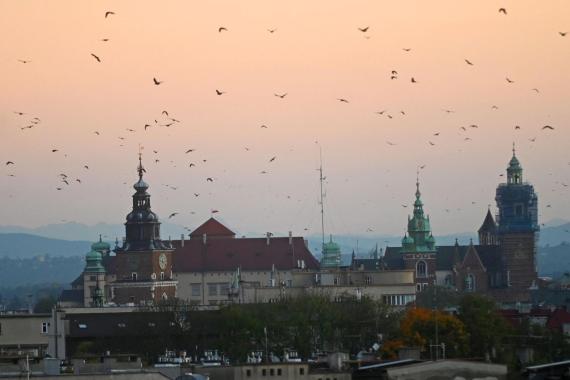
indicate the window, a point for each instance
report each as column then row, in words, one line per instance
column 0, row 328
column 368, row 280
column 248, row 372
column 301, row 371
column 272, row 372
column 121, row 325
column 264, row 372
column 421, row 269
column 470, row 283
column 212, row 289
column 418, row 287
column 336, row 281
column 278, row 371
column 224, row 289
column 134, row 276
column 92, row 278
column 161, row 276
column 195, row 290
column 45, row 327
column 518, row 210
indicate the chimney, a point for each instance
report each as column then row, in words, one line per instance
column 182, row 240
column 204, row 239
column 290, row 238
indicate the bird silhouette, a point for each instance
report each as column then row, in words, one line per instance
column 190, row 150
column 469, row 62
column 509, row 80
column 156, row 81
column 406, row 49
column 172, row 215
column 196, row 195
column 413, row 80
column 209, row 179
column 97, row 58
column 517, row 127
column 272, row 158
column 97, row 133
column 563, row 34
column 503, row 11
column 165, row 113
column 9, row 162
column 342, row 100
column 548, row 127
column 23, row 61
column 146, row 126
column 264, row 126
column 86, row 166
column 271, row 30
column 535, row 90
column 54, row 150
column 108, row 13
column 364, row 30
column 104, row 39
column 281, row 95
column 390, row 143
column 222, row 29
column 191, row 164
column 19, row 113
column 380, row 112
column 218, row 92
column 430, row 143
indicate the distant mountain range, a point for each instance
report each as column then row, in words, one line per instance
column 71, row 239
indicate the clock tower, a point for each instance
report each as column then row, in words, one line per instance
column 517, row 230
column 144, row 261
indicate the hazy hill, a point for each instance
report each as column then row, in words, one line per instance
column 19, row 245
column 39, row 270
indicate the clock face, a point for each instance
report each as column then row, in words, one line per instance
column 162, row 261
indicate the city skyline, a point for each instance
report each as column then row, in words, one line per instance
column 472, row 86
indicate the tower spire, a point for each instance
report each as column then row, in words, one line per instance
column 140, row 168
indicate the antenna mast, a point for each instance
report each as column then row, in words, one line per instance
column 322, row 202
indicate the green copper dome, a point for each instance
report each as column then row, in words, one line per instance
column 94, row 262
column 101, row 246
column 407, row 240
column 331, row 255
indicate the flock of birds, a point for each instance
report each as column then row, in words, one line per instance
column 166, row 120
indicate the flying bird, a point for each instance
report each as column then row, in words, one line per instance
column 146, row 126
column 54, row 150
column 430, row 143
column 190, row 150
column 281, row 95
column 218, row 92
column 509, row 80
column 222, row 29
column 86, row 166
column 272, row 158
column 390, row 143
column 104, row 39
column 563, row 34
column 517, row 127
column 191, row 164
column 469, row 62
column 97, row 58
column 413, row 80
column 156, row 81
column 548, row 127
column 503, row 11
column 9, row 163
column 165, row 113
column 108, row 13
column 23, row 61
column 535, row 90
column 406, row 49
column 342, row 100
column 264, row 126
column 271, row 30
column 97, row 133
column 209, row 179
column 196, row 195
column 364, row 30
column 172, row 215
column 19, row 113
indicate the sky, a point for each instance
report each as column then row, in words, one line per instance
column 94, row 113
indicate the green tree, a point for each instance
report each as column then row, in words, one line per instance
column 45, row 304
column 485, row 327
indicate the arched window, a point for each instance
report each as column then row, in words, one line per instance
column 421, row 269
column 470, row 283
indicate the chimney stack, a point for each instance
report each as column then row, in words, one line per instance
column 204, row 239
column 182, row 240
column 290, row 238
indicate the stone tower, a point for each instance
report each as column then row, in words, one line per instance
column 144, row 262
column 418, row 245
column 517, row 228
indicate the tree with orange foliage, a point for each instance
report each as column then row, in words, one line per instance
column 418, row 329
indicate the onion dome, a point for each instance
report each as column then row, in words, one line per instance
column 101, row 246
column 94, row 261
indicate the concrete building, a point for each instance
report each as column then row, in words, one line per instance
column 24, row 335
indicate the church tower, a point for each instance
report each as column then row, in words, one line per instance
column 488, row 231
column 517, row 227
column 418, row 245
column 144, row 262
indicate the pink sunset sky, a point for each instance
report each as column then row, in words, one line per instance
column 316, row 55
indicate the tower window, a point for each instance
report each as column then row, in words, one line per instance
column 421, row 269
column 161, row 276
column 470, row 283
column 134, row 276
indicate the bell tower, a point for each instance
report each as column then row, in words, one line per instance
column 144, row 261
column 517, row 228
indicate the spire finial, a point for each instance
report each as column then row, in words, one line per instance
column 418, row 182
column 514, row 149
column 100, row 239
column 140, row 168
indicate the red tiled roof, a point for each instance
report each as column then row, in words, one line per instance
column 212, row 228
column 247, row 253
column 558, row 319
